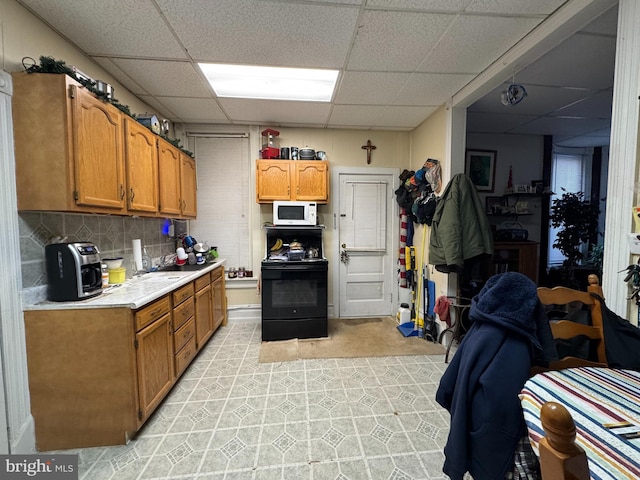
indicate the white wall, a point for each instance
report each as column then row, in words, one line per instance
column 524, row 153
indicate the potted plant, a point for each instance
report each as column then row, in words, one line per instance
column 577, row 219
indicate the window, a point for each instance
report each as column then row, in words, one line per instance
column 224, row 186
column 571, row 170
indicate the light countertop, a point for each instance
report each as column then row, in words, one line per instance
column 133, row 293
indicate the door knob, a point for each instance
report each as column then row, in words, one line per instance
column 344, row 256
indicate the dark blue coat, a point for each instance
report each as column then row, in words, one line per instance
column 481, row 384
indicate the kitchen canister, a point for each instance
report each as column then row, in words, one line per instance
column 284, row 153
column 117, row 275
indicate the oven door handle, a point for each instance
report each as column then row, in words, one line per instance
column 291, row 268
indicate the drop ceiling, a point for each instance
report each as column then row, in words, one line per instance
column 399, row 60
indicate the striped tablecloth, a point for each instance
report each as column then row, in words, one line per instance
column 595, row 397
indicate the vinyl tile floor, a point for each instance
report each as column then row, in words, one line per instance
column 232, row 418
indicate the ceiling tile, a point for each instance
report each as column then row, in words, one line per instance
column 119, row 75
column 264, row 32
column 403, row 117
column 495, row 123
column 400, row 59
column 596, row 139
column 194, row 110
column 395, row 41
column 381, row 87
column 424, row 5
column 340, row 2
column 561, row 126
column 374, row 116
column 474, row 42
column 275, row 112
column 430, row 88
column 161, row 108
column 598, row 106
column 133, row 28
column 606, row 24
column 168, row 79
column 571, row 64
column 539, row 100
column 515, row 7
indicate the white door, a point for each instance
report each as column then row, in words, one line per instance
column 365, row 242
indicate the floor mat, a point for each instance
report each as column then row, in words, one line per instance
column 349, row 338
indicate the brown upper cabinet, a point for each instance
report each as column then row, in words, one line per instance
column 77, row 153
column 169, row 168
column 188, row 185
column 177, row 182
column 68, row 145
column 292, row 180
column 142, row 167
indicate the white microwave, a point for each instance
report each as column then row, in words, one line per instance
column 295, row 213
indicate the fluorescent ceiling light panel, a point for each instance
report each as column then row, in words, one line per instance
column 270, row 83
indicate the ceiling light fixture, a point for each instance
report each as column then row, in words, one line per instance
column 270, row 83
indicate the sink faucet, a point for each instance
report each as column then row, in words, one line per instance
column 167, row 260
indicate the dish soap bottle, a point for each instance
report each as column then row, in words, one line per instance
column 146, row 260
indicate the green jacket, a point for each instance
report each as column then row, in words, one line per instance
column 460, row 230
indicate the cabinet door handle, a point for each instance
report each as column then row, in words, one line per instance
column 121, row 191
column 133, row 194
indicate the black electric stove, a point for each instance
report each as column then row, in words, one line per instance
column 294, row 292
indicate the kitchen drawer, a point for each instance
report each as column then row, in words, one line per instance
column 217, row 273
column 184, row 334
column 202, row 282
column 184, row 356
column 182, row 294
column 151, row 313
column 182, row 313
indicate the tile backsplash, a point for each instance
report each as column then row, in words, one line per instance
column 112, row 234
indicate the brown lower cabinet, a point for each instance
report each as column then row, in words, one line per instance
column 154, row 355
column 97, row 374
column 204, row 309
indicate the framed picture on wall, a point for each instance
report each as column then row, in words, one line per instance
column 480, row 167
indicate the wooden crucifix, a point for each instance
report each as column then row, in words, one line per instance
column 368, row 147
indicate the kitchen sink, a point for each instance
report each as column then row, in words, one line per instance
column 183, row 268
column 159, row 278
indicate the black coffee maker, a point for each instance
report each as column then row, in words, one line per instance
column 73, row 271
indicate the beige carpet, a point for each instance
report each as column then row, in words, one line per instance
column 355, row 337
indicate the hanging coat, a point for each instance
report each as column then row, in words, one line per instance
column 460, row 230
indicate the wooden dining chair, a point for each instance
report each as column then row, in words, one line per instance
column 560, row 457
column 567, row 329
